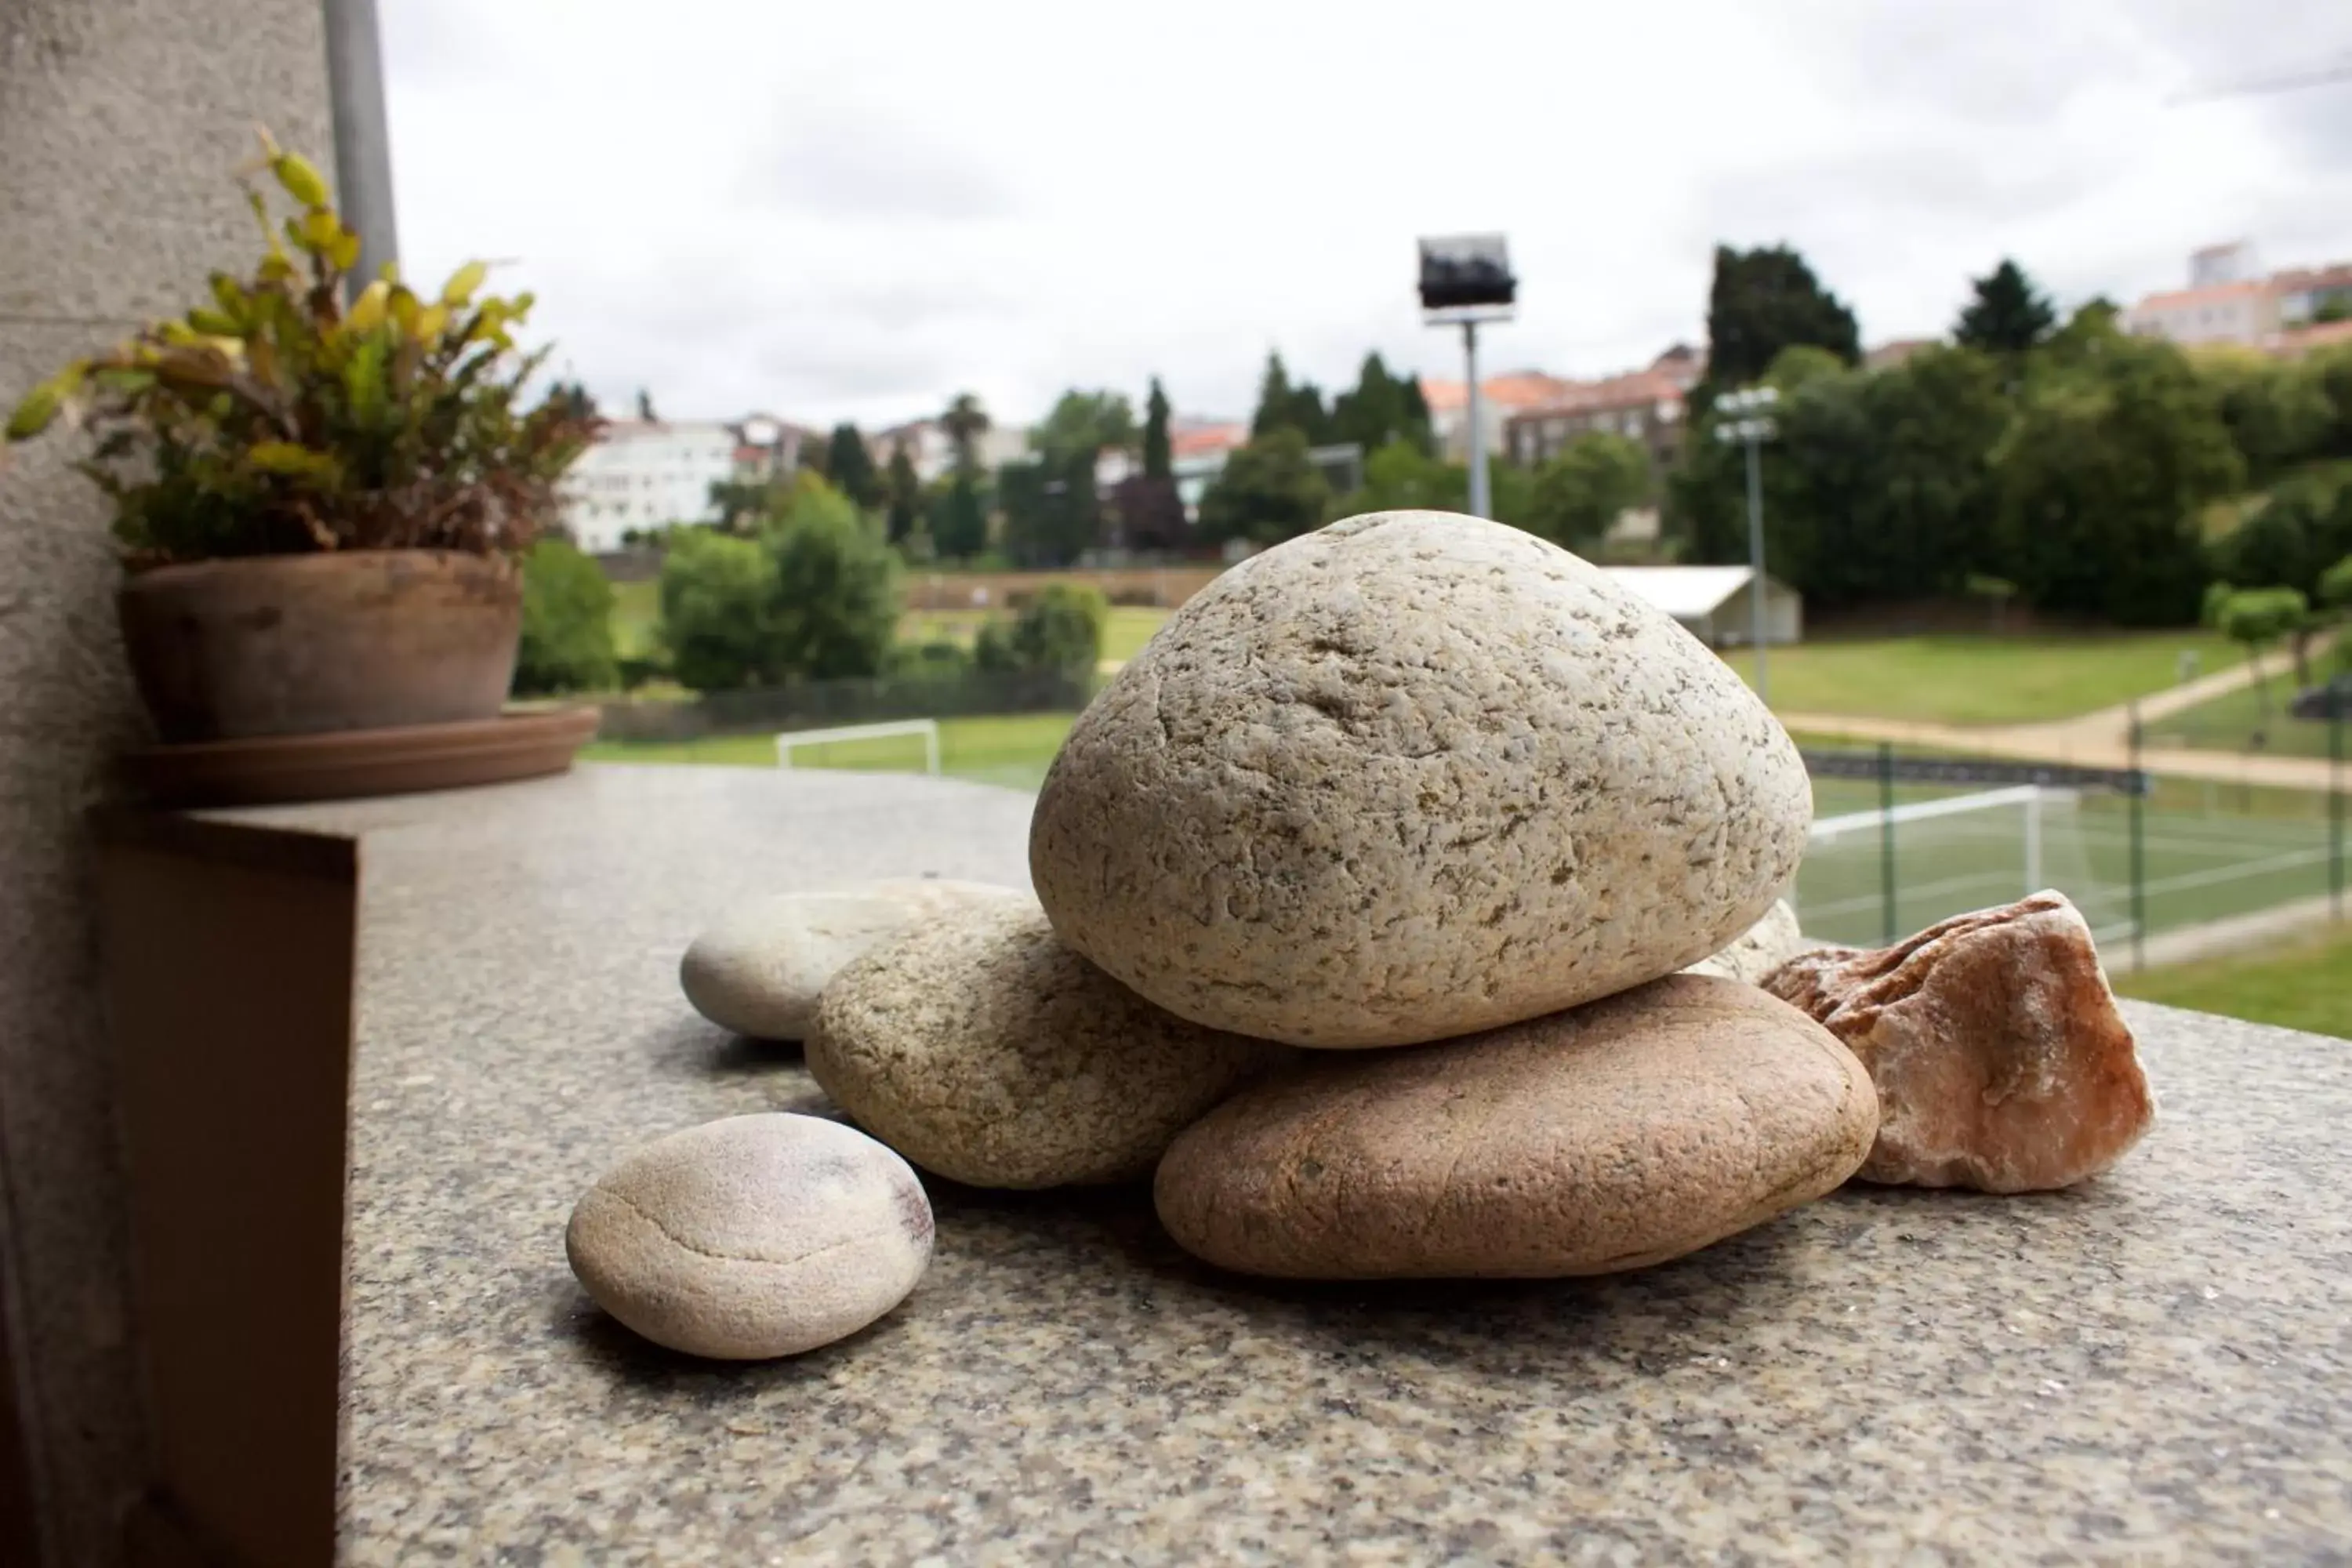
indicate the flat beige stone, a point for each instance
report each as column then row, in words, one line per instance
column 986, row 1050
column 1619, row 1134
column 760, row 968
column 1409, row 776
column 2000, row 1059
column 752, row 1237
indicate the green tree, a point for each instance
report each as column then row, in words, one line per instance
column 573, row 398
column 959, row 517
column 1375, row 411
column 905, row 492
column 1157, row 460
column 1060, row 631
column 1580, row 491
column 1799, row 364
column 1052, row 507
column 1400, row 475
column 965, row 422
column 645, row 407
column 1276, row 406
column 2334, row 308
column 1760, row 302
column 1269, row 492
column 1088, row 422
column 1875, row 488
column 2006, row 315
column 835, row 609
column 849, row 467
column 2113, row 456
column 567, row 623
column 2254, row 619
column 1417, row 426
column 716, row 594
column 2278, row 411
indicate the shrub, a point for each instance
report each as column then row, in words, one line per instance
column 567, row 623
column 1060, row 630
column 836, row 596
column 716, row 591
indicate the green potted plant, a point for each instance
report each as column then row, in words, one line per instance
column 321, row 492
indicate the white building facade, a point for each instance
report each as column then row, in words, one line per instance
column 642, row 476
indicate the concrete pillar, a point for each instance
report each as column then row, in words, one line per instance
column 119, row 123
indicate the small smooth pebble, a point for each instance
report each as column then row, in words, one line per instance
column 2001, row 1062
column 1613, row 1136
column 985, row 1050
column 1761, row 949
column 754, row 1237
column 1411, row 776
column 760, row 968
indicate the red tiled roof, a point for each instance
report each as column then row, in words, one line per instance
column 1636, row 389
column 2211, row 294
column 1202, row 440
column 1513, row 389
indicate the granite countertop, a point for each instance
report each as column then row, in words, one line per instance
column 2156, row 1366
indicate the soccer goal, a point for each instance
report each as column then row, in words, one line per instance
column 928, row 729
column 1902, row 866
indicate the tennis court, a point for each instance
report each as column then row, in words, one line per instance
column 2197, row 864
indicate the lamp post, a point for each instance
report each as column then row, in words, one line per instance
column 1466, row 280
column 1746, row 418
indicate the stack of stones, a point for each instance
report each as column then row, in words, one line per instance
column 1406, row 910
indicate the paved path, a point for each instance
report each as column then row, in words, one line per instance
column 2100, row 739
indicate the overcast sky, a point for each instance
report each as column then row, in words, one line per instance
column 833, row 212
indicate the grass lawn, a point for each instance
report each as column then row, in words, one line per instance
column 2306, row 986
column 2230, row 723
column 1011, row 750
column 636, row 611
column 1983, row 679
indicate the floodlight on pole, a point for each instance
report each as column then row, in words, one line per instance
column 1745, row 418
column 1465, row 278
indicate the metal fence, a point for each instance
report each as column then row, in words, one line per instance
column 2166, row 864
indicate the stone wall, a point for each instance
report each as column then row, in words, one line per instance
column 119, row 123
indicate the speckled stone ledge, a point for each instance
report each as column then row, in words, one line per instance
column 2156, row 1367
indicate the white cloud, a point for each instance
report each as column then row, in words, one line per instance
column 852, row 213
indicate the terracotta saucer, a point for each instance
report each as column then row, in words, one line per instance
column 279, row 768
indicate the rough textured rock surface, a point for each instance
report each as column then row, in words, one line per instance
column 1758, row 951
column 2000, row 1060
column 1619, row 1134
column 755, row 1237
column 1409, row 776
column 986, row 1050
column 759, row 969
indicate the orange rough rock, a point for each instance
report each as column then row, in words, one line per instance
column 2001, row 1061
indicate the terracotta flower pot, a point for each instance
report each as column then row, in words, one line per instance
column 303, row 645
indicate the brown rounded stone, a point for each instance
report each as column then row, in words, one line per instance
column 985, row 1050
column 1411, row 776
column 1616, row 1135
column 2000, row 1058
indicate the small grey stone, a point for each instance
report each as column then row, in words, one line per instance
column 985, row 1050
column 754, row 1237
column 759, row 969
column 1761, row 949
column 1409, row 776
column 1613, row 1136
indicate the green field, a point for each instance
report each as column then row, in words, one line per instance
column 1011, row 750
column 1124, row 635
column 2232, row 723
column 2306, row 986
column 1982, row 680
